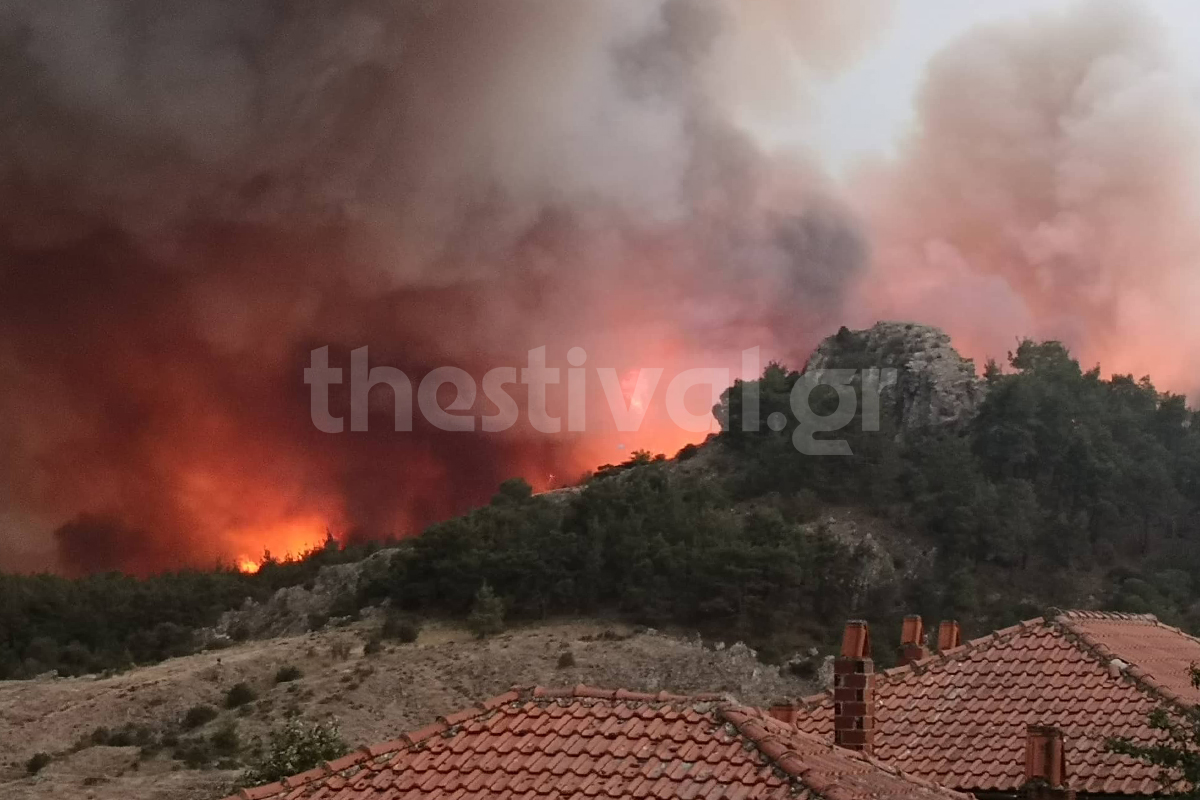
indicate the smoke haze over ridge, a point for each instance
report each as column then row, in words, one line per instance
column 195, row 195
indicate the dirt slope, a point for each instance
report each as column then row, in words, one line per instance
column 374, row 697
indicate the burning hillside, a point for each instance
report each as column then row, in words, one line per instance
column 199, row 194
column 196, row 196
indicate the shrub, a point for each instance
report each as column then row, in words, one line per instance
column 513, row 491
column 805, row 668
column 288, row 673
column 128, row 735
column 239, row 695
column 35, row 764
column 374, row 645
column 487, row 614
column 293, row 748
column 198, row 715
column 345, row 606
column 122, row 737
column 226, row 741
column 403, row 628
column 195, row 752
column 566, row 660
column 408, row 632
column 340, row 650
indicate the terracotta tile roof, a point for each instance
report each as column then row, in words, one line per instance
column 1159, row 656
column 959, row 718
column 585, row 742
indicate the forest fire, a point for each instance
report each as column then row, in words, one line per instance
column 281, row 540
column 397, row 177
column 248, row 565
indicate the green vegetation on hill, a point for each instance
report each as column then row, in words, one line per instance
column 111, row 621
column 1065, row 488
column 1058, row 468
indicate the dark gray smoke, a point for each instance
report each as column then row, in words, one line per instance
column 195, row 194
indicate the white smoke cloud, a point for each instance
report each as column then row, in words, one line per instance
column 1051, row 188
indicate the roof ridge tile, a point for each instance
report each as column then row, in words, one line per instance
column 258, row 792
column 1123, row 616
column 420, row 735
column 346, row 761
column 511, row 696
column 1104, row 655
column 709, row 697
column 459, row 717
column 296, row 781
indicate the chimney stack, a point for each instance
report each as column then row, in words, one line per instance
column 1045, row 764
column 854, row 690
column 949, row 635
column 912, row 641
column 784, row 711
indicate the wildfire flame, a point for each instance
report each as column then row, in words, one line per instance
column 290, row 538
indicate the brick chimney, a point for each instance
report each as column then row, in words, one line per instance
column 784, row 711
column 949, row 635
column 854, row 690
column 1045, row 765
column 912, row 641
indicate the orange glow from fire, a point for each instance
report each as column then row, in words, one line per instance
column 254, row 511
column 292, row 538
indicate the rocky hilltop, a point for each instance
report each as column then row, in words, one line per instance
column 935, row 385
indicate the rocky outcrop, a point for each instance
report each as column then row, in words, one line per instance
column 935, row 385
column 293, row 610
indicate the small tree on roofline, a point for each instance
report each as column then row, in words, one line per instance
column 294, row 748
column 1178, row 755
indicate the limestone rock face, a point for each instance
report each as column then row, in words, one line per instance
column 291, row 610
column 935, row 385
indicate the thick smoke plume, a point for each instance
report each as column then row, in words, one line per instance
column 1051, row 189
column 193, row 195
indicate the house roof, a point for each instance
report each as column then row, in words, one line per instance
column 586, row 742
column 959, row 718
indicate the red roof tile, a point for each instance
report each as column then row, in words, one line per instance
column 959, row 718
column 1160, row 655
column 587, row 742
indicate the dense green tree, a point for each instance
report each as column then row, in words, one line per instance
column 487, row 613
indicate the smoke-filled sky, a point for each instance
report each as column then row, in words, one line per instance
column 194, row 195
column 867, row 110
column 1049, row 186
